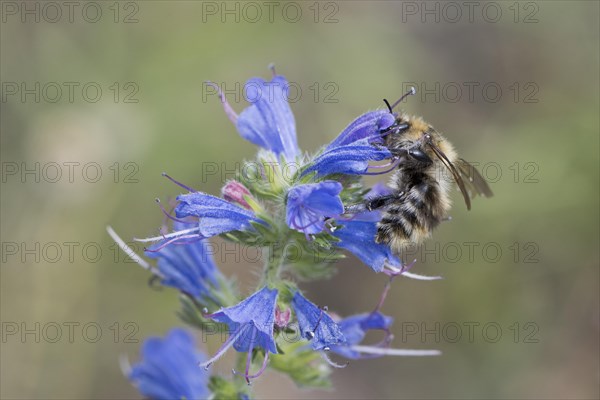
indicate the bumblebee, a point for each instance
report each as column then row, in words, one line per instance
column 420, row 197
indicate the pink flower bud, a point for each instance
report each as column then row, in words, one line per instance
column 234, row 192
column 282, row 318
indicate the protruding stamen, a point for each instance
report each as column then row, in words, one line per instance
column 331, row 362
column 310, row 335
column 422, row 277
column 394, row 352
column 171, row 241
column 394, row 164
column 177, row 234
column 272, row 68
column 232, row 115
column 189, row 189
column 262, row 368
column 129, row 251
column 249, row 357
column 167, row 214
column 224, row 347
column 393, row 271
column 392, row 161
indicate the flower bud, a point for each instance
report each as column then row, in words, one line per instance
column 234, row 192
column 282, row 318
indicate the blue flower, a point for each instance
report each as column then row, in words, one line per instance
column 309, row 205
column 316, row 325
column 251, row 325
column 169, row 368
column 269, row 121
column 187, row 266
column 352, row 150
column 355, row 329
column 368, row 126
column 215, row 215
column 358, row 237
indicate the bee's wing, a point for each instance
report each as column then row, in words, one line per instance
column 455, row 174
column 473, row 179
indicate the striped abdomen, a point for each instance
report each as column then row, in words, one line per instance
column 412, row 218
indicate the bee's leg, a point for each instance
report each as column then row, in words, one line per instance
column 373, row 203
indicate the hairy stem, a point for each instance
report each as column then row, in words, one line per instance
column 274, row 260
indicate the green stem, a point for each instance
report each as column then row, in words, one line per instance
column 273, row 262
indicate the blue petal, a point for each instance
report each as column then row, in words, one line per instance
column 352, row 159
column 188, row 267
column 367, row 126
column 309, row 205
column 269, row 121
column 216, row 215
column 256, row 315
column 355, row 328
column 358, row 237
column 352, row 150
column 169, row 368
column 316, row 325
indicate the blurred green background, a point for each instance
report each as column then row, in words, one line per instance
column 537, row 142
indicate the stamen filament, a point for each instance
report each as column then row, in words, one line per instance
column 262, row 368
column 249, row 357
column 395, row 164
column 129, row 251
column 189, row 189
column 331, row 362
column 394, row 352
column 168, row 242
column 393, row 271
column 168, row 215
column 168, row 236
column 232, row 115
column 224, row 347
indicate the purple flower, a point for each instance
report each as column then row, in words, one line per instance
column 309, row 205
column 355, row 329
column 269, row 121
column 316, row 325
column 368, row 126
column 187, row 266
column 251, row 325
column 352, row 150
column 215, row 215
column 169, row 368
column 358, row 237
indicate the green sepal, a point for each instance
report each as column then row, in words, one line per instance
column 189, row 312
column 223, row 389
column 303, row 365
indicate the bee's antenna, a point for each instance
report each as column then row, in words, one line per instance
column 410, row 92
column 388, row 105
